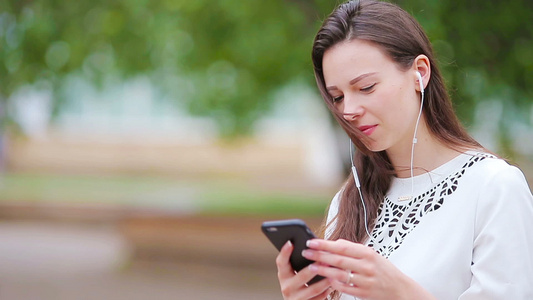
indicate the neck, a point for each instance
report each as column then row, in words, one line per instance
column 429, row 153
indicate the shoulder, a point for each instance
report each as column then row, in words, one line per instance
column 502, row 189
column 488, row 170
column 493, row 184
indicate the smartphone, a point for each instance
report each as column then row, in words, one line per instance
column 295, row 230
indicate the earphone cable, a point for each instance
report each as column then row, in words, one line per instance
column 414, row 142
column 358, row 185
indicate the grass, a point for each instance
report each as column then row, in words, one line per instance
column 207, row 196
column 266, row 203
column 78, row 188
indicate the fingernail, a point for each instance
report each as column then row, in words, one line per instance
column 307, row 253
column 313, row 267
column 311, row 243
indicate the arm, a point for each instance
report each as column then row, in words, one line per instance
column 502, row 261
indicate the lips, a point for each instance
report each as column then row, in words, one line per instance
column 368, row 129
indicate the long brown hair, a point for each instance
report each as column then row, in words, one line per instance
column 400, row 36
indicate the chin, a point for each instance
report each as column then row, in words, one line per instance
column 375, row 147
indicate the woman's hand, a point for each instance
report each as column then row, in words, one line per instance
column 294, row 285
column 358, row 270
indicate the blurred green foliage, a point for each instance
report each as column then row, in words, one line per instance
column 485, row 49
column 225, row 58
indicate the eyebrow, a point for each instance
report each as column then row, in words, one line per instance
column 353, row 81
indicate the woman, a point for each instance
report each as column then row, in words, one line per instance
column 436, row 216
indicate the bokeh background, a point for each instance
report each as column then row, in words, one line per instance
column 144, row 142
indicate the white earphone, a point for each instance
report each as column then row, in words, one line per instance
column 420, row 82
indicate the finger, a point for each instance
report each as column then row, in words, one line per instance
column 305, row 275
column 331, row 259
column 324, row 294
column 296, row 286
column 341, row 275
column 347, row 248
column 318, row 290
column 350, row 290
column 360, row 260
column 285, row 269
column 331, row 273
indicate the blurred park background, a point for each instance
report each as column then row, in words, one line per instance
column 142, row 143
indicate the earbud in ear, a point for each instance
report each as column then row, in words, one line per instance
column 420, row 81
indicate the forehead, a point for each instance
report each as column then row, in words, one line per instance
column 353, row 58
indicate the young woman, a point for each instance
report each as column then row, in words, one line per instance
column 428, row 213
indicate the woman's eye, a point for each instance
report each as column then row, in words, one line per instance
column 368, row 88
column 337, row 99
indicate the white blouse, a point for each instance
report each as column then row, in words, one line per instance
column 467, row 232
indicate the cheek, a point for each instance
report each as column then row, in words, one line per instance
column 339, row 106
column 400, row 100
column 391, row 99
column 394, row 108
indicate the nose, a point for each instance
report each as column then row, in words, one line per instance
column 352, row 110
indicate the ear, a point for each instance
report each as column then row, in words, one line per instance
column 422, row 65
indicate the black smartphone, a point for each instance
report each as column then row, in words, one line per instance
column 295, row 230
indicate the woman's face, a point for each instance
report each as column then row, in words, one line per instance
column 374, row 95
